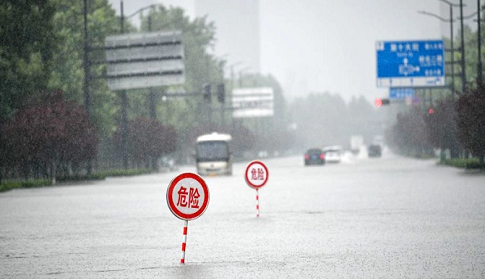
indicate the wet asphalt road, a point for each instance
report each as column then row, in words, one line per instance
column 363, row 218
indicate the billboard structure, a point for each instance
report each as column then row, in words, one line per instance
column 143, row 60
column 252, row 102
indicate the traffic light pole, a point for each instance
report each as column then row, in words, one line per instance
column 221, row 97
column 222, row 116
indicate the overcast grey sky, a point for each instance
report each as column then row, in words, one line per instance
column 329, row 45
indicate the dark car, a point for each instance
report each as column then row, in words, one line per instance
column 375, row 151
column 314, row 157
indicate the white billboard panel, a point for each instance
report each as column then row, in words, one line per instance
column 134, row 39
column 144, row 53
column 252, row 102
column 142, row 60
column 120, row 69
column 144, row 82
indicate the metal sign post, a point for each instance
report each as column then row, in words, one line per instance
column 256, row 176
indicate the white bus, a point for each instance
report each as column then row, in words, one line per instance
column 213, row 154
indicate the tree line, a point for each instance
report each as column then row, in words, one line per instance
column 44, row 128
column 450, row 121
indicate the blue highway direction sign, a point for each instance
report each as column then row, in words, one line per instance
column 401, row 93
column 410, row 63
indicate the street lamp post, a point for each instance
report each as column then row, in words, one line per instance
column 463, row 69
column 233, row 83
column 151, row 97
column 152, row 100
column 223, row 81
column 124, row 105
column 87, row 97
column 87, row 70
column 479, row 43
column 479, row 65
column 450, row 20
column 124, row 98
column 240, row 74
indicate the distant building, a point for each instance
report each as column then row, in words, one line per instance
column 237, row 30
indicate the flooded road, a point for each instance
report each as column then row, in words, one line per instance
column 389, row 217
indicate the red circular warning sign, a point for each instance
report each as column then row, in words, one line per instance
column 256, row 174
column 187, row 196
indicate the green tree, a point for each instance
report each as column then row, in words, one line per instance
column 68, row 68
column 471, row 122
column 409, row 135
column 49, row 133
column 148, row 140
column 27, row 44
column 441, row 127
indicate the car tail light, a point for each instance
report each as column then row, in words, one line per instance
column 322, row 156
column 307, row 156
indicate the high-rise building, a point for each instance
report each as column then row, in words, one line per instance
column 237, row 31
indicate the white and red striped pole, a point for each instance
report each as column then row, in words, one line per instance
column 257, row 203
column 184, row 242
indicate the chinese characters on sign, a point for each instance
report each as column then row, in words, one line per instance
column 252, row 102
column 257, row 174
column 193, row 197
column 187, row 196
column 410, row 63
column 401, row 93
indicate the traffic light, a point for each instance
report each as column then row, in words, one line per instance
column 381, row 101
column 207, row 93
column 221, row 93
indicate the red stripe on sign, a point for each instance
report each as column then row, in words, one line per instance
column 182, row 261
column 257, row 207
column 183, row 247
column 185, row 230
column 257, row 197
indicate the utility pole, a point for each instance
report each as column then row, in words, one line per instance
column 452, row 55
column 479, row 65
column 152, row 97
column 452, row 47
column 209, row 104
column 223, row 81
column 87, row 72
column 0, row 137
column 233, row 86
column 124, row 105
column 87, row 98
column 463, row 66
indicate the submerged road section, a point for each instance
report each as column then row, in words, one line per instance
column 389, row 217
